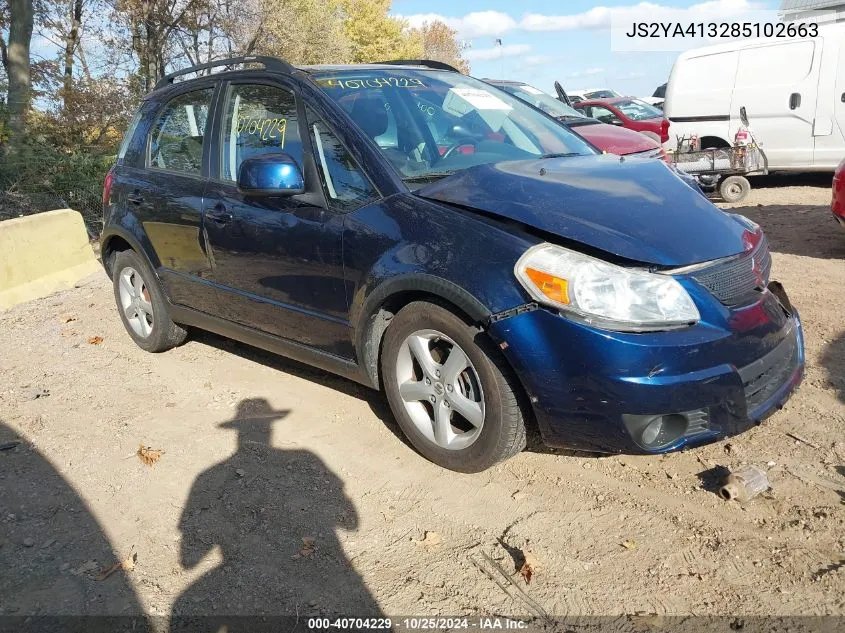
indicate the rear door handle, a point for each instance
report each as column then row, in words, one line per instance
column 842, row 98
column 794, row 101
column 135, row 198
column 218, row 215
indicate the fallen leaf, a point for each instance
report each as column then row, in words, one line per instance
column 68, row 319
column 95, row 340
column 307, row 547
column 126, row 565
column 629, row 544
column 528, row 567
column 149, row 455
column 431, row 539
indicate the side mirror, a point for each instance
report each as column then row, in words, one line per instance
column 275, row 174
column 743, row 116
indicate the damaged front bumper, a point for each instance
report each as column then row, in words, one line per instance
column 597, row 390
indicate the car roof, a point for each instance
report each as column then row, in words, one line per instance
column 275, row 65
column 322, row 68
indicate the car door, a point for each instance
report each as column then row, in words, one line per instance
column 276, row 260
column 167, row 195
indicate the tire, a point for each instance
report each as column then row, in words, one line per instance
column 154, row 332
column 734, row 188
column 487, row 383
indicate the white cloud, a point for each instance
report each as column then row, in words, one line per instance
column 630, row 75
column 476, row 24
column 509, row 50
column 537, row 60
column 490, row 23
column 587, row 72
column 597, row 17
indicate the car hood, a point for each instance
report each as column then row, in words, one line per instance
column 634, row 208
column 614, row 139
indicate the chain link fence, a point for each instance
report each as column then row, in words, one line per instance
column 45, row 180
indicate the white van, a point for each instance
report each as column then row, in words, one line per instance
column 793, row 91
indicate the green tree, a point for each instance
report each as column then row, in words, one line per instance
column 300, row 31
column 376, row 36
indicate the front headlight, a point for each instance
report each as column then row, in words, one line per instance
column 608, row 296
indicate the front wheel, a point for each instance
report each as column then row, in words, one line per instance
column 451, row 390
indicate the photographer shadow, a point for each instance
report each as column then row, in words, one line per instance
column 273, row 515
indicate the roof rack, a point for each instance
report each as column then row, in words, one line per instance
column 270, row 63
column 428, row 63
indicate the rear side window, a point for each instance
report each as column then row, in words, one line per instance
column 177, row 138
column 259, row 120
column 127, row 138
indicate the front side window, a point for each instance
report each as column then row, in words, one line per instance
column 177, row 138
column 603, row 114
column 431, row 124
column 259, row 120
column 344, row 181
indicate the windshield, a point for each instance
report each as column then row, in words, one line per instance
column 433, row 123
column 602, row 94
column 540, row 99
column 637, row 110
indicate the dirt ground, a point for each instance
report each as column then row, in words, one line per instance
column 285, row 490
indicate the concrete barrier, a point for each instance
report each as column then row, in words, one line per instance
column 41, row 254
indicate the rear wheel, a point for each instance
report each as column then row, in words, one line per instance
column 451, row 391
column 142, row 305
column 734, row 188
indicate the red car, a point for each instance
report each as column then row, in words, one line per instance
column 838, row 203
column 608, row 138
column 630, row 113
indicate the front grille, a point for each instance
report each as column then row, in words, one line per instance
column 737, row 281
column 762, row 378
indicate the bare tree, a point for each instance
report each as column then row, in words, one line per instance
column 16, row 62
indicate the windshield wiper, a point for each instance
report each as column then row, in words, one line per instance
column 429, row 176
column 561, row 155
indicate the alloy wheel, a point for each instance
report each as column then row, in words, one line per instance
column 135, row 302
column 440, row 389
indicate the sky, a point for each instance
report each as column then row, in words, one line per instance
column 564, row 40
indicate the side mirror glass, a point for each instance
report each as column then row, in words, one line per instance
column 275, row 174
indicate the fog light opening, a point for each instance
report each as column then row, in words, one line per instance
column 663, row 430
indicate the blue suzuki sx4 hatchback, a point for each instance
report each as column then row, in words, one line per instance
column 424, row 233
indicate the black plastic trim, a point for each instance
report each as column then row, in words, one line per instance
column 290, row 349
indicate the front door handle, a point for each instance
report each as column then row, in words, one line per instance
column 794, row 101
column 219, row 215
column 842, row 98
column 135, row 198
